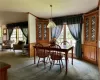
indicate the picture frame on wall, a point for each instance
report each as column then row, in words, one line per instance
column 4, row 31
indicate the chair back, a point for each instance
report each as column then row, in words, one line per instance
column 65, row 43
column 55, row 55
column 41, row 52
column 38, row 50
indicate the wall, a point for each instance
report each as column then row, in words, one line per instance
column 32, row 28
column 82, row 37
column 32, row 33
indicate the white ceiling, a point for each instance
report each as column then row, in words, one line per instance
column 41, row 8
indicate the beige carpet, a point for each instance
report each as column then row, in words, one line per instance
column 22, row 68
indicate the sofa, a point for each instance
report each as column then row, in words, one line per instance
column 6, row 44
column 19, row 46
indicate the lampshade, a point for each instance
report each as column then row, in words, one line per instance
column 51, row 23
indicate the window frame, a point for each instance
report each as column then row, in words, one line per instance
column 17, row 33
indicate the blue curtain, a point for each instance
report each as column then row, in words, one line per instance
column 75, row 30
column 55, row 32
column 75, row 26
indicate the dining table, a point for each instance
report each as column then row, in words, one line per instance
column 64, row 48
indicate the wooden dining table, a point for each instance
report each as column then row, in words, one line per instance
column 64, row 48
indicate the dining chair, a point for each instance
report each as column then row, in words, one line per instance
column 56, row 56
column 65, row 43
column 41, row 53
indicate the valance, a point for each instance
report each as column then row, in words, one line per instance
column 19, row 24
column 68, row 19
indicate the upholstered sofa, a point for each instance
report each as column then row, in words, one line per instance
column 7, row 44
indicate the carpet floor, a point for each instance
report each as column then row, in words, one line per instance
column 23, row 68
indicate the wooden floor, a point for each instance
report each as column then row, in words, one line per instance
column 22, row 68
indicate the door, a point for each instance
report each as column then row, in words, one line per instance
column 86, row 52
column 93, row 53
column 93, row 29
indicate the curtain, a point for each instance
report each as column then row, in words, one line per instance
column 75, row 26
column 73, row 19
column 25, row 33
column 21, row 24
column 10, row 30
column 55, row 32
column 75, row 30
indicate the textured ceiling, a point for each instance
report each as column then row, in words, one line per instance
column 41, row 8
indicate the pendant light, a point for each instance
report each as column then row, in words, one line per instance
column 51, row 23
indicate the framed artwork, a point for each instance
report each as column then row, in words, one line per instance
column 4, row 31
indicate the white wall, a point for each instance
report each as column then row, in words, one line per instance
column 1, row 34
column 82, row 37
column 32, row 28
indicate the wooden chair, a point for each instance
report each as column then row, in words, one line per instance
column 56, row 56
column 65, row 43
column 41, row 53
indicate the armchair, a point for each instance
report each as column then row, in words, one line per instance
column 19, row 46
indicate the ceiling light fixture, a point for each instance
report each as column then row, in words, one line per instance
column 51, row 23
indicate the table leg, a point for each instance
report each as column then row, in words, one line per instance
column 66, row 58
column 72, row 56
column 34, row 56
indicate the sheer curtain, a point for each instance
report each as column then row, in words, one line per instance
column 75, row 30
column 56, row 31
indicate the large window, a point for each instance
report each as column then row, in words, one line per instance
column 66, row 36
column 17, row 35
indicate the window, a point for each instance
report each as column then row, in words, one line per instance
column 61, row 37
column 17, row 35
column 66, row 36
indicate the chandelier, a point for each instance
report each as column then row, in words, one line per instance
column 51, row 24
